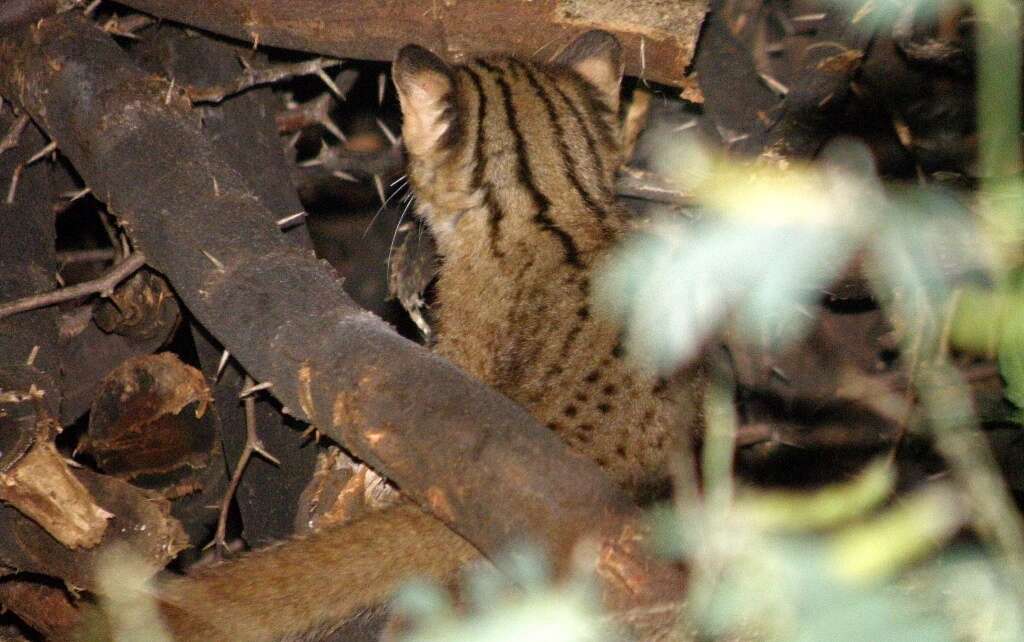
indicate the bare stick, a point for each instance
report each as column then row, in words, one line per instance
column 12, row 189
column 649, row 186
column 101, row 285
column 126, row 26
column 252, row 445
column 253, row 76
column 10, row 141
column 386, row 162
column 317, row 110
column 97, row 255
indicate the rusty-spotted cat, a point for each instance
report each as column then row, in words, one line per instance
column 513, row 166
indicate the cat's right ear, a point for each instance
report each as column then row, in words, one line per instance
column 426, row 91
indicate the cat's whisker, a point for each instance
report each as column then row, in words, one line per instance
column 398, row 226
column 402, row 188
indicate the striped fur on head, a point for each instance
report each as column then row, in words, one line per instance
column 505, row 135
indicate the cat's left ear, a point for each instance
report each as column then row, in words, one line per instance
column 426, row 91
column 597, row 57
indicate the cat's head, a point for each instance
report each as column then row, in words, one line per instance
column 501, row 134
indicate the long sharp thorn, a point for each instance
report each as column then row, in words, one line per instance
column 224, row 356
column 380, row 189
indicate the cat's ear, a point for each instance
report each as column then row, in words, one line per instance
column 426, row 91
column 597, row 57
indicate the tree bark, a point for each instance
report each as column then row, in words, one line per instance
column 659, row 43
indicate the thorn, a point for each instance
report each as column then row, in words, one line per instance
column 92, row 7
column 345, row 176
column 213, row 259
column 332, row 127
column 72, row 463
column 777, row 371
column 255, row 40
column 291, row 218
column 387, row 132
column 774, row 84
column 380, row 189
column 59, row 279
column 15, row 177
column 690, row 124
column 51, row 146
column 220, row 365
column 75, row 195
column 32, row 356
column 249, row 390
column 381, row 87
column 310, row 431
column 330, row 84
column 10, row 140
column 643, row 55
column 170, row 90
column 216, row 186
column 259, row 448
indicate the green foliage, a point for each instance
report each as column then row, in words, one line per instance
column 523, row 604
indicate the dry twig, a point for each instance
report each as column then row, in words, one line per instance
column 102, row 285
column 252, row 445
column 253, row 76
column 649, row 186
column 10, row 141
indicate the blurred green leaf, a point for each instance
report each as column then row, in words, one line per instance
column 520, row 604
column 795, row 511
column 916, row 526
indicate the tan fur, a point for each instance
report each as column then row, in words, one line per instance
column 315, row 583
column 522, row 215
column 514, row 311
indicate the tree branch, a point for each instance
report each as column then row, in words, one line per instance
column 659, row 43
column 99, row 285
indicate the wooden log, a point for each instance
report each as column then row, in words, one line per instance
column 659, row 43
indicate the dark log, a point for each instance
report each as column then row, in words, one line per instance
column 243, row 129
column 458, row 448
column 659, row 43
column 27, row 256
column 14, row 12
column 44, row 607
column 786, row 105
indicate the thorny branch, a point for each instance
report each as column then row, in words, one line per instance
column 659, row 43
column 10, row 140
column 649, row 186
column 101, row 285
column 255, row 76
column 252, row 445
